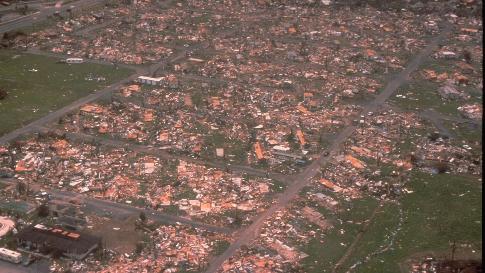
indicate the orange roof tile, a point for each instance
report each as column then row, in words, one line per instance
column 259, row 151
column 22, row 167
column 92, row 108
column 300, row 136
column 355, row 162
column 370, row 53
column 330, row 185
column 206, row 207
column 362, row 151
column 302, row 109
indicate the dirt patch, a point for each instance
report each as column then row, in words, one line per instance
column 463, row 266
column 465, row 260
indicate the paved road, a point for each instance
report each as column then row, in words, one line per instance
column 43, row 14
column 304, row 178
column 41, row 266
column 31, row 5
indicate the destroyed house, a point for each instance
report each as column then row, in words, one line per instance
column 75, row 245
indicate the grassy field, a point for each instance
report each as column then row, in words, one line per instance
column 421, row 94
column 347, row 225
column 37, row 85
column 466, row 132
column 441, row 209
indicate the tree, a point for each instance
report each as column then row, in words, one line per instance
column 413, row 158
column 56, row 253
column 238, row 220
column 43, row 210
column 441, row 167
column 468, row 56
column 294, row 145
column 24, row 9
column 69, row 10
column 139, row 248
column 3, row 94
column 21, row 188
column 434, row 136
column 290, row 137
column 143, row 217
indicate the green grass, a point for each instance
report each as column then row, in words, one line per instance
column 237, row 148
column 323, row 256
column 375, row 237
column 38, row 85
column 422, row 95
column 278, row 186
column 442, row 208
column 173, row 209
column 185, row 193
column 465, row 132
column 219, row 247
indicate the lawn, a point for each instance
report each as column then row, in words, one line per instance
column 37, row 85
column 347, row 224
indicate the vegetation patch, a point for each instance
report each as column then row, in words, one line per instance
column 37, row 85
